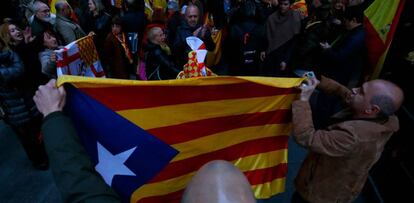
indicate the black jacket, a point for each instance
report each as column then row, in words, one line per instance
column 17, row 105
column 180, row 47
column 101, row 25
column 38, row 27
column 159, row 66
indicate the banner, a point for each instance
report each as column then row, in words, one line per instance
column 79, row 58
column 244, row 120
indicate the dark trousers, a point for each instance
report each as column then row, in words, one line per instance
column 296, row 198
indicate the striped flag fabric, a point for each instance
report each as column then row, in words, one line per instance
column 244, row 120
column 79, row 58
column 381, row 20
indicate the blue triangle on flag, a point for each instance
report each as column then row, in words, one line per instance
column 95, row 122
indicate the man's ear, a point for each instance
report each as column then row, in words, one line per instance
column 375, row 109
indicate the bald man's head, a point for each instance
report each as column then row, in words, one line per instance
column 376, row 98
column 218, row 181
column 388, row 96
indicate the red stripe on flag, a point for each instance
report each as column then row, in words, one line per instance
column 132, row 97
column 67, row 59
column 271, row 174
column 176, row 133
column 376, row 46
column 394, row 23
column 231, row 153
column 261, row 176
column 95, row 72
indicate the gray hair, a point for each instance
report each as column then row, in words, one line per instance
column 385, row 103
column 37, row 5
column 151, row 33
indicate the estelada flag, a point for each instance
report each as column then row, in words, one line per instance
column 381, row 20
column 244, row 120
column 79, row 58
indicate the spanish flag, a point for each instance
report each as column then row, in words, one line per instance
column 187, row 123
column 381, row 20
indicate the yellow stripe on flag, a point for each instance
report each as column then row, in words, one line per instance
column 179, row 183
column 226, row 139
column 256, row 161
column 267, row 190
column 161, row 188
column 213, row 57
column 378, row 67
column 149, row 118
column 86, row 82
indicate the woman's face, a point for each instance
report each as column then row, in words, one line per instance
column 49, row 41
column 15, row 33
column 159, row 37
column 91, row 5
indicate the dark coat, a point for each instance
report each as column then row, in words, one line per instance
column 341, row 155
column 17, row 105
column 244, row 37
column 345, row 61
column 33, row 76
column 158, row 65
column 38, row 26
column 69, row 30
column 173, row 23
column 180, row 47
column 101, row 25
column 114, row 58
column 308, row 51
column 134, row 21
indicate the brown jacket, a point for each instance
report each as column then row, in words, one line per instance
column 114, row 58
column 340, row 156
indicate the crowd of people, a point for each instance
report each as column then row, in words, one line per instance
column 243, row 37
column 146, row 40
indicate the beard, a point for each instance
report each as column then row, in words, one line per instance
column 47, row 19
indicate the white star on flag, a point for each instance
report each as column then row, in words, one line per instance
column 110, row 165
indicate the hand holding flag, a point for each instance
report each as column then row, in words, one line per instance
column 49, row 98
